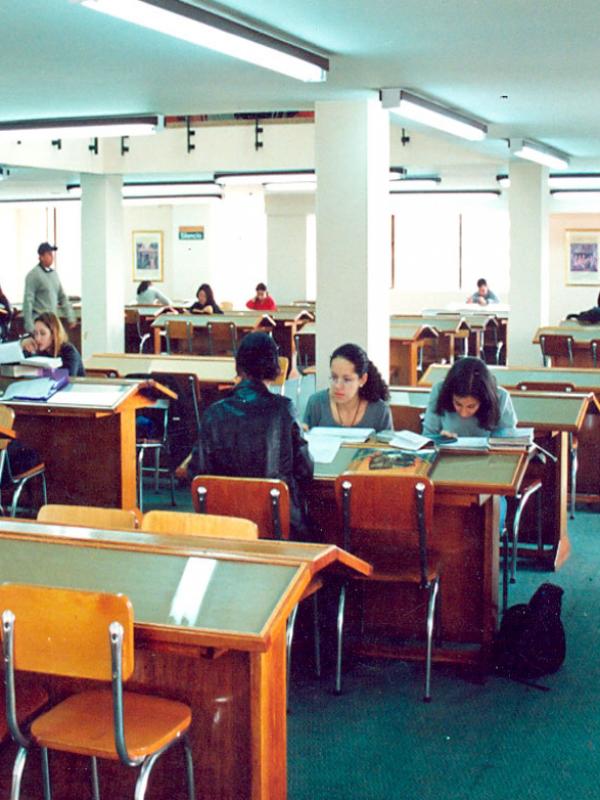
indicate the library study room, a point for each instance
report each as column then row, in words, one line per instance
column 299, row 400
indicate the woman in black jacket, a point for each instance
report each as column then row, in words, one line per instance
column 254, row 433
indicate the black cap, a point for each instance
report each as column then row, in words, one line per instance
column 46, row 247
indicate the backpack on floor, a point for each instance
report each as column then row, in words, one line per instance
column 531, row 639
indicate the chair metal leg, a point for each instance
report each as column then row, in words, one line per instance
column 317, row 634
column 289, row 639
column 17, row 772
column 95, row 779
column 574, row 465
column 156, row 467
column 189, row 766
column 433, row 592
column 46, row 774
column 144, row 775
column 140, row 479
column 340, row 635
column 540, row 544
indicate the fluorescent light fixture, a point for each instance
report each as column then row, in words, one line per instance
column 289, row 188
column 539, row 153
column 397, row 173
column 415, row 183
column 409, row 105
column 205, row 29
column 161, row 189
column 257, row 178
column 575, row 194
column 575, row 180
column 503, row 181
column 81, row 127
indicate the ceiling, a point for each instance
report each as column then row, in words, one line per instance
column 527, row 68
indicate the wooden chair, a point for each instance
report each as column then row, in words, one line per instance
column 133, row 322
column 386, row 520
column 267, row 503
column 278, row 385
column 594, row 350
column 90, row 516
column 222, row 338
column 178, row 332
column 515, row 507
column 188, row 524
column 10, row 478
column 42, row 634
column 556, row 346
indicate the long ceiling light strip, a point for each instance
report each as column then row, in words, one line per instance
column 158, row 190
column 81, row 127
column 539, row 153
column 573, row 181
column 290, row 178
column 205, row 29
column 419, row 109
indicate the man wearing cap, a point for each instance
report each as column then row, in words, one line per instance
column 43, row 290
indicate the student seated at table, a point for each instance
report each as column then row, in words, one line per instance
column 468, row 402
column 5, row 316
column 205, row 301
column 484, row 295
column 50, row 339
column 589, row 317
column 262, row 300
column 254, row 433
column 357, row 395
column 148, row 293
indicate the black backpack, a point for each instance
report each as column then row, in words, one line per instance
column 589, row 317
column 531, row 639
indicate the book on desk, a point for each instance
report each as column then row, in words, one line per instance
column 392, row 462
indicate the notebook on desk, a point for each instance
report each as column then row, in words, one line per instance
column 37, row 389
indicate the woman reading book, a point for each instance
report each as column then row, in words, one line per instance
column 357, row 395
column 50, row 339
column 468, row 402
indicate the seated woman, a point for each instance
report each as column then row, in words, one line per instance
column 254, row 433
column 147, row 293
column 263, row 300
column 50, row 339
column 5, row 316
column 468, row 402
column 205, row 301
column 356, row 397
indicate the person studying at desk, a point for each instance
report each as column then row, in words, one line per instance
column 468, row 402
column 484, row 295
column 205, row 301
column 357, row 395
column 50, row 339
column 148, row 293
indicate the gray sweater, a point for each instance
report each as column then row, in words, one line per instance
column 43, row 292
column 453, row 423
column 318, row 413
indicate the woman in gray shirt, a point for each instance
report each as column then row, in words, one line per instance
column 357, row 395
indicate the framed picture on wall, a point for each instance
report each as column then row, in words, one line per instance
column 583, row 257
column 147, row 255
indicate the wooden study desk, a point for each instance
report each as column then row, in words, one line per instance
column 465, row 533
column 208, row 369
column 85, row 434
column 210, row 620
column 453, row 332
column 407, row 342
column 588, row 434
column 553, row 415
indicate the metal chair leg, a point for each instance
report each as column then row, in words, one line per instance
column 340, row 634
column 317, row 634
column 433, row 592
column 46, row 774
column 17, row 772
column 289, row 639
column 140, row 478
column 574, row 465
column 189, row 766
column 95, row 779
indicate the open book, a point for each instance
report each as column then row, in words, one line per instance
column 405, row 440
column 352, row 435
column 512, row 437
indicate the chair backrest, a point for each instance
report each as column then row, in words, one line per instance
column 90, row 516
column 386, row 514
column 542, row 386
column 7, row 417
column 186, row 523
column 266, row 502
column 407, row 418
column 283, row 371
column 178, row 331
column 65, row 631
column 226, row 305
column 556, row 346
column 132, row 317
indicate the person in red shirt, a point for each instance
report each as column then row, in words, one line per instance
column 263, row 300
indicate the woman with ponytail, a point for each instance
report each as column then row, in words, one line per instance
column 468, row 402
column 356, row 396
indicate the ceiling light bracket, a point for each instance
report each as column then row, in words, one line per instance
column 258, row 132
column 190, row 135
column 57, row 143
column 124, row 145
column 405, row 139
column 93, row 146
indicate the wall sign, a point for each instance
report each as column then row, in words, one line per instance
column 188, row 233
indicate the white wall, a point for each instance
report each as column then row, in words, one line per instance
column 566, row 299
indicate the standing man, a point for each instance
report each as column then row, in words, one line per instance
column 484, row 295
column 43, row 290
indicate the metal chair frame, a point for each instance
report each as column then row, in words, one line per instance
column 232, row 334
column 18, row 482
column 188, row 337
column 556, row 340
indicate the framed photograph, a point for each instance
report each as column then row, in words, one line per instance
column 583, row 257
column 147, row 256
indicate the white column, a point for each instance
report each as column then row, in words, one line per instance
column 529, row 261
column 103, row 260
column 353, row 230
column 286, row 245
